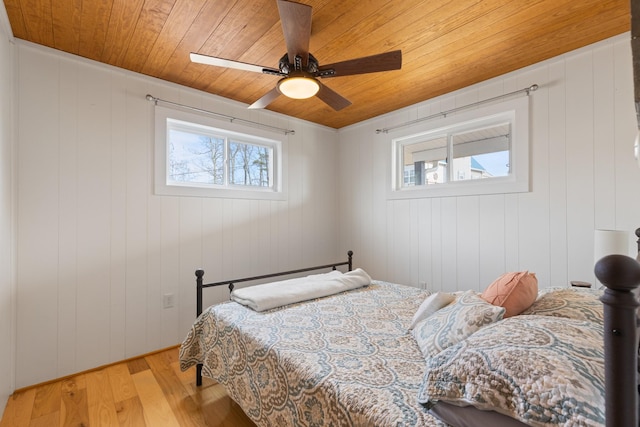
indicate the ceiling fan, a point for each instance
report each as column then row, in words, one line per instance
column 299, row 69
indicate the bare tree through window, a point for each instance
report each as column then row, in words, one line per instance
column 197, row 158
column 249, row 164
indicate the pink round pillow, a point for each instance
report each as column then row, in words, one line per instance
column 514, row 291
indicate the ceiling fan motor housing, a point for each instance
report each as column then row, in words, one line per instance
column 286, row 67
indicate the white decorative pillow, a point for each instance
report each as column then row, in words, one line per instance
column 454, row 323
column 433, row 303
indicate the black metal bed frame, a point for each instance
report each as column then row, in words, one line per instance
column 231, row 283
column 620, row 275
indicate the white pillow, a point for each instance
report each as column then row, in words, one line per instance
column 433, row 303
column 454, row 323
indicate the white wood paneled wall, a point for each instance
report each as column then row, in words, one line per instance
column 7, row 215
column 97, row 249
column 583, row 177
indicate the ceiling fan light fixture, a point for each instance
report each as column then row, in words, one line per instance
column 298, row 87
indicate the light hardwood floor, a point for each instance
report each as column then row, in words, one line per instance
column 150, row 391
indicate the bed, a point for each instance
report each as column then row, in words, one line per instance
column 360, row 357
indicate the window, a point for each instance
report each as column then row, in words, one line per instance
column 484, row 151
column 199, row 155
column 480, row 153
column 194, row 157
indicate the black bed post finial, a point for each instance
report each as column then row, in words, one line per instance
column 350, row 255
column 638, row 235
column 621, row 275
column 199, row 276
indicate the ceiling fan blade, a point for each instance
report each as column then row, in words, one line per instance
column 228, row 63
column 266, row 99
column 368, row 64
column 296, row 26
column 332, row 99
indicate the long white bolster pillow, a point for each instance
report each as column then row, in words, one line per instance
column 276, row 294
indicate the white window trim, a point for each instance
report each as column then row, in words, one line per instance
column 246, row 133
column 515, row 182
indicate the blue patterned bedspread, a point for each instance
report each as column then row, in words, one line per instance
column 344, row 360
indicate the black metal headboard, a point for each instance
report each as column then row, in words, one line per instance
column 231, row 283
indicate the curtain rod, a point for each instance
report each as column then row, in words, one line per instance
column 220, row 115
column 529, row 89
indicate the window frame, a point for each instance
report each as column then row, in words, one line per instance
column 515, row 111
column 230, row 131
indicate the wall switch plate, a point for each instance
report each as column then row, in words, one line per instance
column 168, row 300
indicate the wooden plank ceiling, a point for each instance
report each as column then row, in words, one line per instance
column 446, row 44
